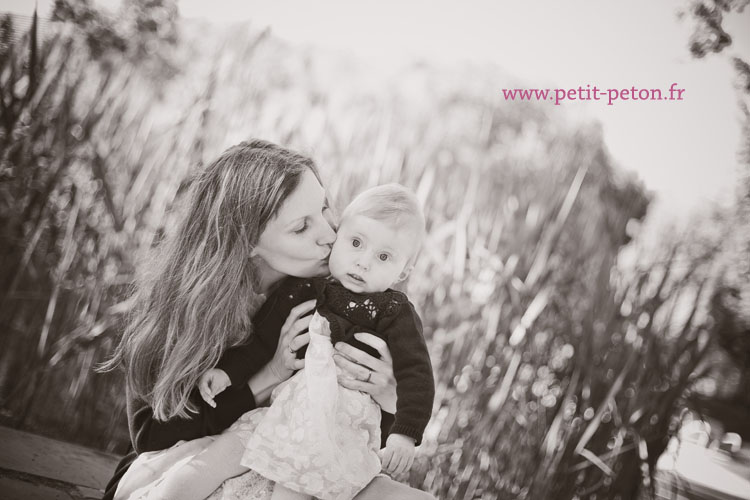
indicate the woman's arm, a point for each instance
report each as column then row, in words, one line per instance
column 263, row 383
column 277, row 322
column 279, row 332
column 149, row 434
column 284, row 363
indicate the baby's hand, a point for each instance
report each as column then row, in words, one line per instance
column 398, row 454
column 212, row 383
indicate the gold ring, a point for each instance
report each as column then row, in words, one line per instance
column 369, row 375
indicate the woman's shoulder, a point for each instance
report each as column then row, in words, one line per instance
column 291, row 286
column 289, row 292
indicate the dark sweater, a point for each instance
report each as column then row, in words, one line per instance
column 149, row 434
column 388, row 315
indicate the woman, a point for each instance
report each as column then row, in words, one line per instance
column 254, row 216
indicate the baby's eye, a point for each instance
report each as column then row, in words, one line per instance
column 383, row 256
column 356, row 243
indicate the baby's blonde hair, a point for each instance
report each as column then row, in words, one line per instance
column 394, row 205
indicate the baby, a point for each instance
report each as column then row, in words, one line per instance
column 318, row 438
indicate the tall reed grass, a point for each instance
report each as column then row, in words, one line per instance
column 560, row 372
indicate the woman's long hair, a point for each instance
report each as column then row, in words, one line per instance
column 196, row 297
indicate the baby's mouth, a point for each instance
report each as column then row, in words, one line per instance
column 356, row 277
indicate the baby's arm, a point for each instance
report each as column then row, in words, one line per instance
column 213, row 383
column 415, row 385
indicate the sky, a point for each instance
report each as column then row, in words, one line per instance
column 685, row 151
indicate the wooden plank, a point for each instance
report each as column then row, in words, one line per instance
column 697, row 472
column 16, row 489
column 709, row 474
column 47, row 458
column 667, row 486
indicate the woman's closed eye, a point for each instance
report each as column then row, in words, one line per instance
column 303, row 228
column 305, row 225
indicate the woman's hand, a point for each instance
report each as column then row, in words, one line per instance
column 366, row 373
column 285, row 361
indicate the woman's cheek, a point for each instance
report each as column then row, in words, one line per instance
column 301, row 248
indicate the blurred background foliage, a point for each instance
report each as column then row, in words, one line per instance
column 567, row 345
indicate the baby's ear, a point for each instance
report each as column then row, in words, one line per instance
column 405, row 273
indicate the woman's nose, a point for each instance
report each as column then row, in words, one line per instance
column 327, row 235
column 330, row 217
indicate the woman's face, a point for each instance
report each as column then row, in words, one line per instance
column 297, row 241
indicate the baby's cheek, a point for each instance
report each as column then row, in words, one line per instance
column 337, row 266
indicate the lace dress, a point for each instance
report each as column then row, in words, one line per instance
column 316, row 437
column 248, row 486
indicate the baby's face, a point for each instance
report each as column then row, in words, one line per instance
column 369, row 255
